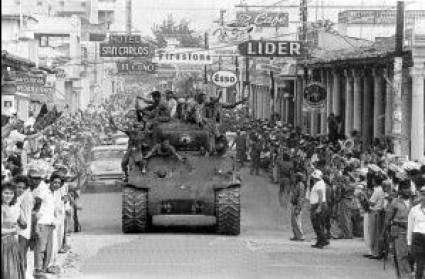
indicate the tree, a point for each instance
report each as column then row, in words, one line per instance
column 169, row 28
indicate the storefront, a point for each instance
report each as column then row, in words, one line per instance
column 360, row 90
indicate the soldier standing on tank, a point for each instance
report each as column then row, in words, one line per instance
column 136, row 136
column 396, row 223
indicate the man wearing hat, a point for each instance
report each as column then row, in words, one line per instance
column 416, row 234
column 396, row 223
column 318, row 208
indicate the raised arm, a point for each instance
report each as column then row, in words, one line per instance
column 145, row 100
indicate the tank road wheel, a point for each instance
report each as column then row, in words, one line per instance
column 228, row 211
column 134, row 210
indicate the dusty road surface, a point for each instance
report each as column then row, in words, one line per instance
column 263, row 249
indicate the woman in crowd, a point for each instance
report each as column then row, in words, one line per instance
column 11, row 261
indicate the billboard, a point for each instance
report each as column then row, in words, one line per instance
column 136, row 67
column 263, row 48
column 263, row 19
column 125, row 50
column 183, row 56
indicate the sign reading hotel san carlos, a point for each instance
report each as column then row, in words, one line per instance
column 136, row 67
column 314, row 95
column 257, row 48
column 224, row 78
column 125, row 46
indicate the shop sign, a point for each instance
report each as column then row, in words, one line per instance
column 260, row 48
column 125, row 50
column 270, row 68
column 263, row 19
column 125, row 39
column 60, row 74
column 28, row 79
column 314, row 95
column 224, row 78
column 33, row 89
column 192, row 57
column 130, row 67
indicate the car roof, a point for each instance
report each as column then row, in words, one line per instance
column 109, row 147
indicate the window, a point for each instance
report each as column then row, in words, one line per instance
column 44, row 41
column 106, row 17
column 7, row 104
column 62, row 3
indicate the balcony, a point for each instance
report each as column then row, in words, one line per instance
column 26, row 35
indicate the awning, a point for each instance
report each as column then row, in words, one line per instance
column 12, row 60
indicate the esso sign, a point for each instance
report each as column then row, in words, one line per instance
column 224, row 78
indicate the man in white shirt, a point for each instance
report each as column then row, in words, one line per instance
column 376, row 217
column 416, row 234
column 171, row 102
column 318, row 208
column 45, row 208
column 25, row 200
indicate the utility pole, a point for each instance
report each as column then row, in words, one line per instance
column 205, row 66
column 397, row 117
column 128, row 12
column 222, row 12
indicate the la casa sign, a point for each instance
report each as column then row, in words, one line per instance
column 224, row 78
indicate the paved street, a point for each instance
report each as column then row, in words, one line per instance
column 263, row 249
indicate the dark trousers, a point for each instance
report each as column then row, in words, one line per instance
column 418, row 251
column 43, row 247
column 125, row 161
column 24, row 245
column 345, row 218
column 318, row 222
column 255, row 165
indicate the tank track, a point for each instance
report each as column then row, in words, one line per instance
column 228, row 211
column 134, row 210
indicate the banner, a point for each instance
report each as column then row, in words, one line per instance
column 263, row 48
column 263, row 19
column 136, row 67
column 193, row 57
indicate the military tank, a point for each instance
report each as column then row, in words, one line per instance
column 195, row 189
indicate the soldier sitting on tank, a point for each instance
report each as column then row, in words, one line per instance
column 136, row 138
column 164, row 149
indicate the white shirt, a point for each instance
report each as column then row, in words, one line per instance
column 314, row 195
column 172, row 106
column 415, row 222
column 46, row 214
column 377, row 198
column 26, row 203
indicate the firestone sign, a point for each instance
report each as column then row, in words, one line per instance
column 224, row 78
column 271, row 49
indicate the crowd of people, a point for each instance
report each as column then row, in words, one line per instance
column 351, row 189
column 44, row 167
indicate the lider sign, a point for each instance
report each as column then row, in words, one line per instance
column 224, row 78
column 271, row 49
